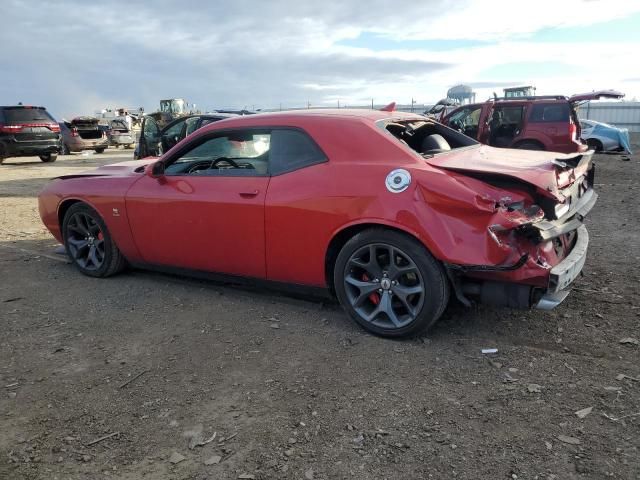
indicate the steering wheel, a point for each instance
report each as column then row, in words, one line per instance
column 226, row 160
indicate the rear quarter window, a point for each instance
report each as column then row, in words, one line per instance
column 291, row 150
column 556, row 112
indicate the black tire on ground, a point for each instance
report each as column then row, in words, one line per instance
column 64, row 149
column 99, row 150
column 89, row 244
column 391, row 298
column 1, row 160
column 49, row 157
column 528, row 145
column 594, row 144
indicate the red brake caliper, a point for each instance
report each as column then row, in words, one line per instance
column 374, row 297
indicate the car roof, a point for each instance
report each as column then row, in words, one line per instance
column 345, row 113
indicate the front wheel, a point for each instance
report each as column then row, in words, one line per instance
column 89, row 244
column 49, row 157
column 390, row 284
column 99, row 150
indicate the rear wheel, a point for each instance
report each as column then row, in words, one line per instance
column 49, row 157
column 530, row 146
column 89, row 244
column 390, row 284
column 99, row 150
column 64, row 149
column 594, row 144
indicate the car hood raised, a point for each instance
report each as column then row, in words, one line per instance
column 534, row 167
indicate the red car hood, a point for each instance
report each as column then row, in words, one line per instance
column 533, row 167
column 122, row 169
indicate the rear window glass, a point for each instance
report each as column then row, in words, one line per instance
column 557, row 112
column 26, row 115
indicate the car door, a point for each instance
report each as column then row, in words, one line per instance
column 174, row 132
column 203, row 213
column 149, row 143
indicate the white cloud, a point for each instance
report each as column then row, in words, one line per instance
column 70, row 55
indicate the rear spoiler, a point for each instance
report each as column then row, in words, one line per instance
column 565, row 163
column 389, row 108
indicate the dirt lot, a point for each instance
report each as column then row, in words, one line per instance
column 118, row 378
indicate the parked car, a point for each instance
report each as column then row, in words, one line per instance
column 119, row 134
column 603, row 137
column 389, row 210
column 530, row 123
column 155, row 140
column 27, row 131
column 441, row 109
column 83, row 133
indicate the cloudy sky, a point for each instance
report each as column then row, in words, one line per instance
column 76, row 57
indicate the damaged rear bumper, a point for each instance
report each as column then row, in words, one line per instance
column 563, row 275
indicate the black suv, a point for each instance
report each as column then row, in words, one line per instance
column 28, row 131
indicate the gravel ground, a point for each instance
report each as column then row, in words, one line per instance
column 147, row 375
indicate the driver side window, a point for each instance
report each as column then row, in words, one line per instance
column 238, row 153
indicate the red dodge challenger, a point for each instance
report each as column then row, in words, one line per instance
column 392, row 212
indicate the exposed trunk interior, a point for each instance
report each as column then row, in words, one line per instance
column 87, row 127
column 89, row 134
column 428, row 138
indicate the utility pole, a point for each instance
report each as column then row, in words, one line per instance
column 372, row 104
column 412, row 104
column 338, row 103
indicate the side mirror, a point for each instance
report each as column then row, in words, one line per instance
column 155, row 170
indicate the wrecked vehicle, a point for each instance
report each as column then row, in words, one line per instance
column 119, row 134
column 155, row 139
column 603, row 137
column 83, row 133
column 530, row 123
column 441, row 109
column 392, row 212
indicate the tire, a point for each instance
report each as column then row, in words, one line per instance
column 594, row 144
column 64, row 149
column 89, row 244
column 527, row 145
column 49, row 157
column 402, row 299
column 100, row 150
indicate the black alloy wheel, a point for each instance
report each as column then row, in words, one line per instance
column 89, row 244
column 390, row 284
column 86, row 241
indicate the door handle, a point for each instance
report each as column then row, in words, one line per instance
column 249, row 194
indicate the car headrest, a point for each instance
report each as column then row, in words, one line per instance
column 434, row 143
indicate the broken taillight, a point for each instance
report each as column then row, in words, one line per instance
column 74, row 132
column 573, row 130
